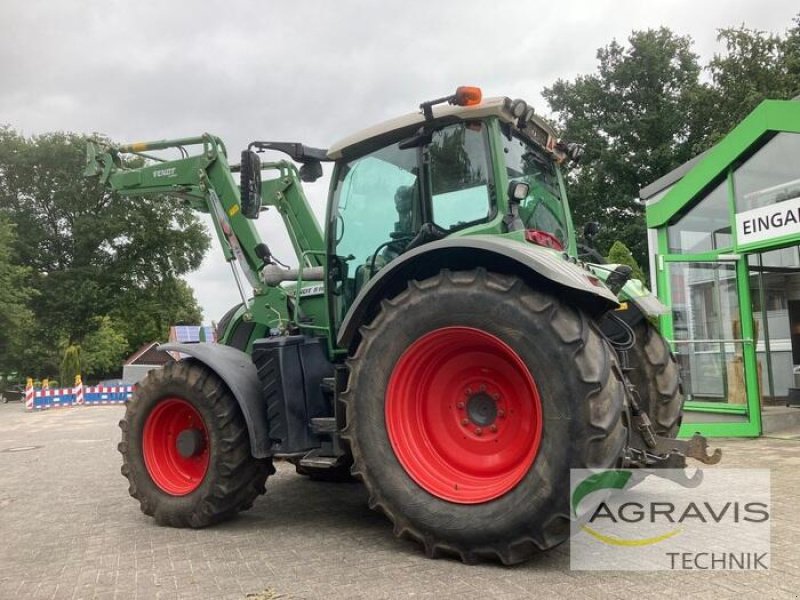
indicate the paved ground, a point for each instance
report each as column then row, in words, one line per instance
column 69, row 530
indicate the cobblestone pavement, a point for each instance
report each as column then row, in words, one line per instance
column 68, row 529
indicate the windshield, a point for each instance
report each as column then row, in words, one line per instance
column 542, row 209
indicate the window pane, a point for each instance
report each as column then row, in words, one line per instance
column 705, row 227
column 771, row 175
column 459, row 175
column 376, row 196
column 542, row 209
column 706, row 328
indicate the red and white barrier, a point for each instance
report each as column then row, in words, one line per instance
column 78, row 395
column 29, row 394
column 78, row 390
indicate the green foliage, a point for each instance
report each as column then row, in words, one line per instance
column 70, row 364
column 90, row 253
column 619, row 254
column 754, row 65
column 15, row 317
column 634, row 116
column 146, row 314
column 104, row 349
column 646, row 110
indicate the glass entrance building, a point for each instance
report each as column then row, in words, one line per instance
column 724, row 238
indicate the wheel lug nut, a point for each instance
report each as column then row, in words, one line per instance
column 495, row 397
column 465, row 422
column 493, row 428
column 468, row 392
column 482, row 388
column 501, row 413
column 478, row 431
column 460, row 405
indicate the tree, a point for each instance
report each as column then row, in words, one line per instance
column 104, row 349
column 619, row 254
column 15, row 317
column 70, row 365
column 754, row 65
column 634, row 116
column 90, row 251
column 645, row 111
column 146, row 314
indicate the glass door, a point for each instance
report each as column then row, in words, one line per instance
column 711, row 331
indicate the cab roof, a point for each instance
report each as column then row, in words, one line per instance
column 499, row 107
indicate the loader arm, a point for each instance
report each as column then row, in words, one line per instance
column 205, row 181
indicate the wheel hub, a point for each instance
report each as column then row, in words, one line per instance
column 190, row 442
column 481, row 409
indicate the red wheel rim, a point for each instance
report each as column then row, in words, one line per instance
column 177, row 471
column 463, row 415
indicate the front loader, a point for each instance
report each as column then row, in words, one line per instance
column 443, row 341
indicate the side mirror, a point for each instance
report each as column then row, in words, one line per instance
column 250, row 184
column 591, row 229
column 518, row 191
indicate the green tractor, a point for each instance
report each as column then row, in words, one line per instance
column 443, row 340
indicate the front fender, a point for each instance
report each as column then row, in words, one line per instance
column 633, row 291
column 237, row 370
column 538, row 266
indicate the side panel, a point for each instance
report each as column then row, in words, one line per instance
column 537, row 265
column 291, row 370
column 239, row 373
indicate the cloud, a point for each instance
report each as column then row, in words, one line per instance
column 310, row 71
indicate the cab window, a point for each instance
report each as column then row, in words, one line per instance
column 459, row 175
column 542, row 209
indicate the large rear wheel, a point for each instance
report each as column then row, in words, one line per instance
column 186, row 450
column 470, row 397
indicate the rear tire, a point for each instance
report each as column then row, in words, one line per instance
column 480, row 326
column 213, row 475
column 656, row 376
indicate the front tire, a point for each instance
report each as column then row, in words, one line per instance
column 186, row 450
column 656, row 376
column 445, row 358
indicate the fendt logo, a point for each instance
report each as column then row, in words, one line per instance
column 170, row 172
column 719, row 519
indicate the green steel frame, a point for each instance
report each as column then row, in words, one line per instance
column 770, row 117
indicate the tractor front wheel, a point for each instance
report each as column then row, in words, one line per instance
column 656, row 376
column 471, row 396
column 186, row 450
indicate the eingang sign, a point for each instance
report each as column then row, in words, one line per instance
column 768, row 222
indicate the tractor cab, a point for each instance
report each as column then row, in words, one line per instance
column 461, row 166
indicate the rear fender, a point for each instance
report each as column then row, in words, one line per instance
column 239, row 373
column 539, row 267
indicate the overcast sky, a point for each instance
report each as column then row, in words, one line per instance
column 311, row 71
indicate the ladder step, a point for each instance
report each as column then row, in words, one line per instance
column 319, row 462
column 328, row 385
column 323, row 425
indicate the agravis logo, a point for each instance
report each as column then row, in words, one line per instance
column 603, row 482
column 642, row 520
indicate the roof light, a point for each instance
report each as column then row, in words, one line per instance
column 468, row 96
column 518, row 108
